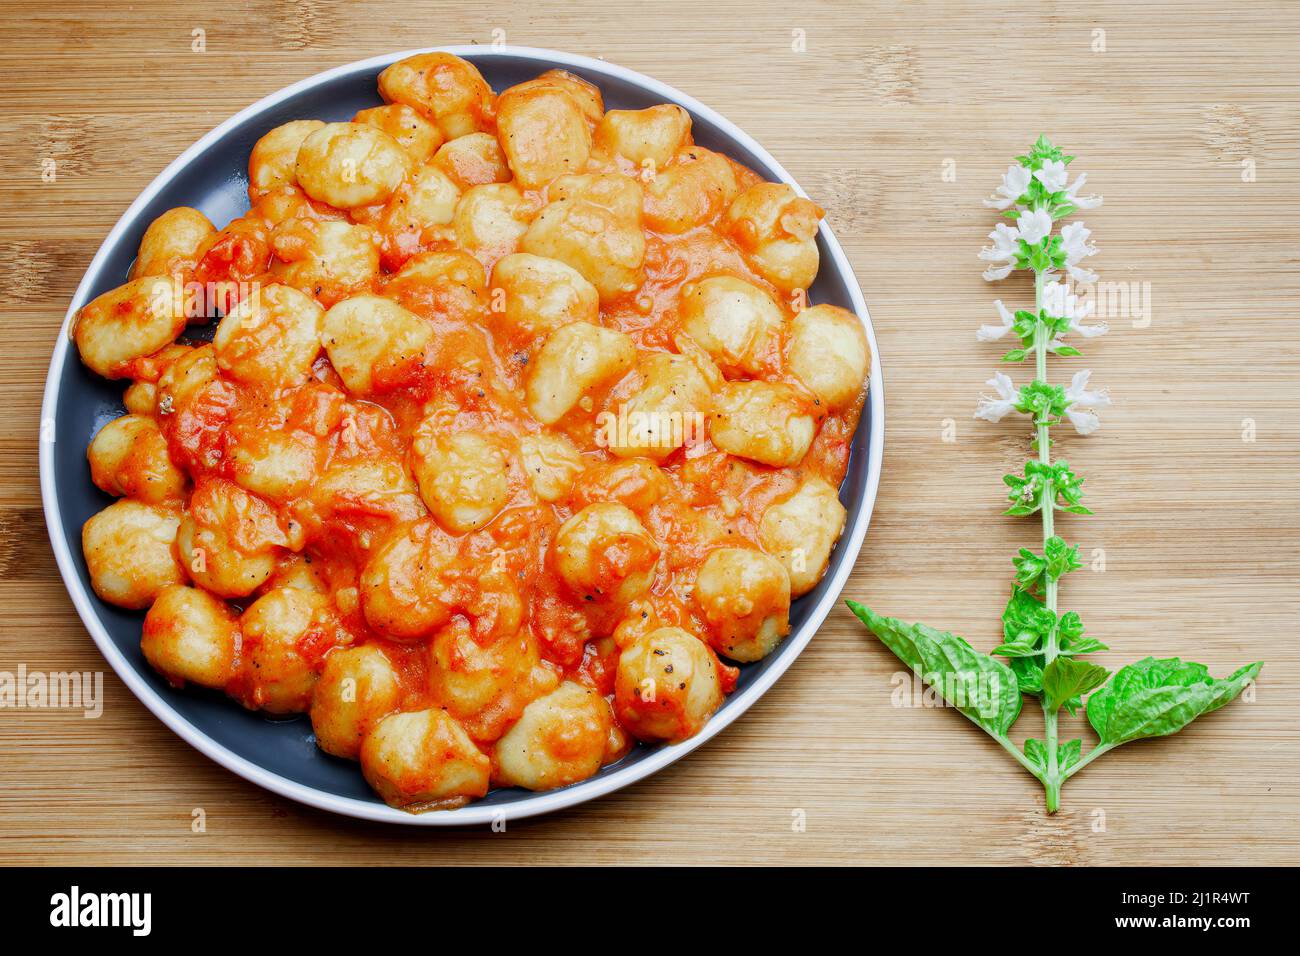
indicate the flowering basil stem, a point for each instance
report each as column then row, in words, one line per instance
column 1043, row 646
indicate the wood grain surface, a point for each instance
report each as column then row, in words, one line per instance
column 1198, row 526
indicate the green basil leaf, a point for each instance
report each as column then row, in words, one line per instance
column 1025, row 614
column 1060, row 558
column 1036, row 751
column 1018, row 649
column 1030, row 569
column 982, row 688
column 1070, row 627
column 1026, row 619
column 1029, row 673
column 1067, row 754
column 1085, row 645
column 1066, row 678
column 1157, row 697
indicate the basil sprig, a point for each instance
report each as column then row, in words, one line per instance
column 1044, row 646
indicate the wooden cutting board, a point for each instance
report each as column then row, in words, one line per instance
column 898, row 119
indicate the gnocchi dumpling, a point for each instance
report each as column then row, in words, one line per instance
column 286, row 632
column 593, row 223
column 277, row 465
column 274, row 159
column 637, row 483
column 170, row 245
column 575, row 359
column 184, row 379
column 801, row 530
column 351, row 164
column 403, row 594
column 380, row 488
column 129, row 458
column 428, row 200
column 586, row 95
column 270, row 338
column 229, row 539
column 538, row 295
column 130, row 550
column 777, row 229
column 442, row 86
column 328, row 259
column 558, row 740
column 543, row 134
column 667, row 686
column 464, row 478
column 695, row 189
column 485, row 684
column 492, row 218
column 297, row 571
column 440, row 267
column 141, row 397
column 129, row 323
column 766, row 422
column 829, row 354
column 472, row 160
column 358, row 687
column 212, row 563
column 736, row 322
column 669, row 408
column 423, row 759
column 648, row 137
column 550, row 463
column 440, row 284
column 605, row 554
column 744, row 595
column 190, row 636
column 411, row 129
column 371, row 340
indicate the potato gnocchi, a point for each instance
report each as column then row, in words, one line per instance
column 515, row 436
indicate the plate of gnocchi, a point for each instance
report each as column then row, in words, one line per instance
column 462, row 434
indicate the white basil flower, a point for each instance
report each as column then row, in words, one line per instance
column 1014, row 183
column 1004, row 250
column 1034, row 225
column 991, row 333
column 1059, row 300
column 1082, row 202
column 1075, row 245
column 995, row 409
column 1079, row 412
column 1052, row 175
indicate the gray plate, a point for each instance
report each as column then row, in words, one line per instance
column 211, row 175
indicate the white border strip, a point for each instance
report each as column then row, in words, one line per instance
column 845, row 556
